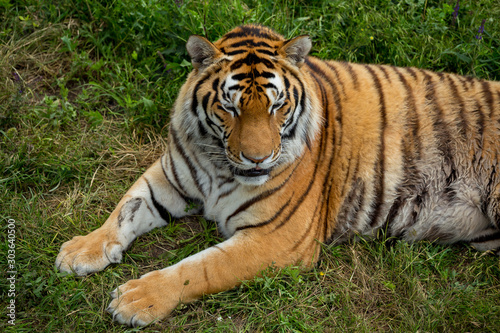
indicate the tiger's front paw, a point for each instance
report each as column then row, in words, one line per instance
column 142, row 301
column 87, row 254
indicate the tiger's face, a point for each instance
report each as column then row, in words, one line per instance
column 250, row 117
column 249, row 97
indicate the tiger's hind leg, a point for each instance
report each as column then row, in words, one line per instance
column 489, row 241
column 143, row 208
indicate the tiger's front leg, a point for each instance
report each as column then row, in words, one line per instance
column 143, row 208
column 221, row 267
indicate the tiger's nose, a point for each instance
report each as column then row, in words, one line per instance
column 256, row 159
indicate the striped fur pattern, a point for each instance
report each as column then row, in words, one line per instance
column 286, row 151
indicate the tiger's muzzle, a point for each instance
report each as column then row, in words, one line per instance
column 255, row 172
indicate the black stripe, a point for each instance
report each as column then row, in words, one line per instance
column 216, row 246
column 299, row 202
column 409, row 187
column 487, row 199
column 393, row 213
column 329, row 138
column 412, row 114
column 260, row 197
column 359, row 203
column 225, row 194
column 204, row 102
column 314, row 67
column 327, row 223
column 267, row 75
column 411, row 71
column 355, row 209
column 497, row 110
column 211, row 124
column 486, row 238
column 235, row 52
column 441, row 131
column 248, row 43
column 384, row 71
column 463, row 120
column 351, row 206
column 200, row 166
column 326, row 116
column 187, row 161
column 271, row 53
column 194, row 105
column 235, row 87
column 269, row 85
column 348, row 176
column 480, row 123
column 223, row 180
column 465, row 83
column 488, row 96
column 251, row 59
column 295, row 115
column 287, row 83
column 164, row 213
column 263, row 223
column 335, row 93
column 182, row 195
column 201, row 129
column 321, row 237
column 338, row 81
column 380, row 163
column 441, row 75
column 135, row 203
column 338, row 133
column 241, row 76
column 215, row 84
column 176, row 175
column 353, row 74
column 326, row 139
column 258, row 32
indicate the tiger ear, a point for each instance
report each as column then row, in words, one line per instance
column 296, row 49
column 202, row 51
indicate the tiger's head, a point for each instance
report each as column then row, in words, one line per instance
column 248, row 100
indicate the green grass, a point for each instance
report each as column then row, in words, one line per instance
column 85, row 92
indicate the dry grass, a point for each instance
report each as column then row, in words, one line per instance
column 32, row 62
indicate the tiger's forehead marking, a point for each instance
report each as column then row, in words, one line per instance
column 253, row 73
column 256, row 32
column 250, row 39
column 242, row 89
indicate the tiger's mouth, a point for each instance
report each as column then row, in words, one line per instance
column 255, row 172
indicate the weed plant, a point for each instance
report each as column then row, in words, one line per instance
column 86, row 87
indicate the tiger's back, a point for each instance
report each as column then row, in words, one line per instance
column 415, row 152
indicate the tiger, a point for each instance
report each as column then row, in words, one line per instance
column 287, row 152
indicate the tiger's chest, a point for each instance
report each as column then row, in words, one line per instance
column 226, row 199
